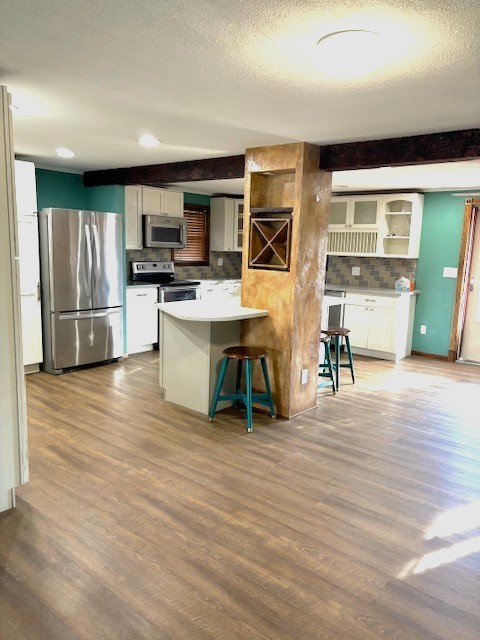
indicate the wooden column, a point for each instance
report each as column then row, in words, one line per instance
column 283, row 176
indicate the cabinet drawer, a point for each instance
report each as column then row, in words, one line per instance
column 142, row 294
column 375, row 301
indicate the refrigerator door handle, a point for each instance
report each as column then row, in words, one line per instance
column 95, row 256
column 86, row 315
column 88, row 248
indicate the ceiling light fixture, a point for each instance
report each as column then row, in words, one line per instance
column 148, row 141
column 63, row 152
column 350, row 53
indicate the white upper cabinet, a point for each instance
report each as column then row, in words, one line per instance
column 355, row 212
column 226, row 224
column 151, row 201
column 402, row 225
column 140, row 200
column 172, row 203
column 133, row 217
column 238, row 224
column 376, row 225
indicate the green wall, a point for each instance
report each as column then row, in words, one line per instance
column 66, row 191
column 59, row 189
column 439, row 247
column 196, row 198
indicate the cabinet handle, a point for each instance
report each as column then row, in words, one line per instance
column 370, row 299
column 138, row 295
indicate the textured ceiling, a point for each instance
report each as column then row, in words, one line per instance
column 210, row 78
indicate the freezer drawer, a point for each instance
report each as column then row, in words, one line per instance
column 85, row 337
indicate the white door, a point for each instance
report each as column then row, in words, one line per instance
column 238, row 225
column 357, row 319
column 471, row 332
column 152, row 201
column 172, row 203
column 31, row 330
column 133, row 217
column 142, row 318
column 381, row 331
column 25, row 188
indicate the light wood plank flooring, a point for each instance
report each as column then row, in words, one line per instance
column 359, row 520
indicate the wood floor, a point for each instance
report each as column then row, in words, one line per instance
column 357, row 521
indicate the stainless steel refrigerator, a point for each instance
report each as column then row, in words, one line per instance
column 82, row 287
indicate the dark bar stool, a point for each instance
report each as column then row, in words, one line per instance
column 247, row 354
column 325, row 369
column 337, row 333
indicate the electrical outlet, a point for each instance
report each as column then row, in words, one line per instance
column 355, row 271
column 423, row 329
column 304, row 376
column 219, row 262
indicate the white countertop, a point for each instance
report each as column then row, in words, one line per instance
column 211, row 310
column 370, row 291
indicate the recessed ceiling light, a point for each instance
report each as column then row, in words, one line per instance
column 147, row 140
column 63, row 152
column 350, row 53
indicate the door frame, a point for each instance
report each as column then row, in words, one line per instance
column 470, row 218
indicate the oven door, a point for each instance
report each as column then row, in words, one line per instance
column 177, row 294
column 164, row 232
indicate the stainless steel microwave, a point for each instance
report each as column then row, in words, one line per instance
column 161, row 231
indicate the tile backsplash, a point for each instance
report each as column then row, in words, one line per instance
column 374, row 272
column 231, row 269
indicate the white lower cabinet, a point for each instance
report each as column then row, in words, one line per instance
column 380, row 326
column 31, row 331
column 142, row 318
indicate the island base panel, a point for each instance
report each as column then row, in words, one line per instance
column 190, row 361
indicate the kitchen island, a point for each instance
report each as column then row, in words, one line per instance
column 193, row 335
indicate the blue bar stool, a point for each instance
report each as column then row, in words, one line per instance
column 247, row 398
column 338, row 333
column 325, row 369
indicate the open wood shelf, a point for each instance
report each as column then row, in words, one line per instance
column 270, row 210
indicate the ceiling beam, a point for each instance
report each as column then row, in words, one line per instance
column 450, row 146
column 160, row 174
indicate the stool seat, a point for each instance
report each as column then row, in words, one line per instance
column 245, row 353
column 247, row 397
column 336, row 331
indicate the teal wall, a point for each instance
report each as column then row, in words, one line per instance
column 110, row 198
column 59, row 189
column 66, row 191
column 439, row 247
column 196, row 198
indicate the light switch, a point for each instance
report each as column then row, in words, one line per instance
column 219, row 262
column 304, row 376
column 423, row 329
column 355, row 271
column 450, row 272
